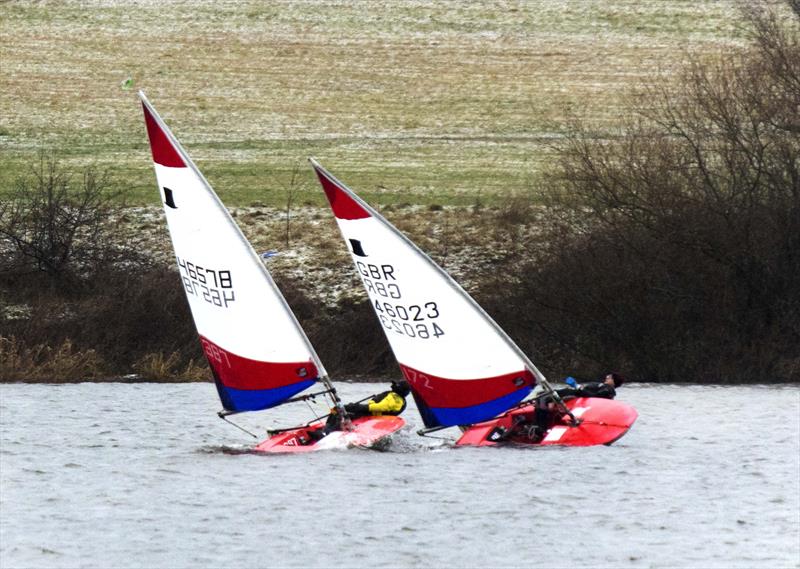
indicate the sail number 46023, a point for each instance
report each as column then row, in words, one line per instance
column 215, row 286
column 410, row 320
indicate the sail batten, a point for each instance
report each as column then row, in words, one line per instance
column 257, row 351
column 461, row 365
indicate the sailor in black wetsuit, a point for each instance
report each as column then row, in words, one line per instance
column 545, row 408
column 605, row 388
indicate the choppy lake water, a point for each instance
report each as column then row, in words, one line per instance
column 145, row 475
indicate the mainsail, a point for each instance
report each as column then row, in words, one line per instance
column 461, row 365
column 257, row 351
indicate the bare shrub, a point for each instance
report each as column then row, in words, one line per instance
column 292, row 188
column 128, row 313
column 56, row 226
column 515, row 210
column 677, row 252
column 138, row 312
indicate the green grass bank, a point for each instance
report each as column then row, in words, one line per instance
column 409, row 101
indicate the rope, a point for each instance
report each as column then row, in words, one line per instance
column 222, row 416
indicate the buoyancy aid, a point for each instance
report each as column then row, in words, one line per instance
column 596, row 389
column 387, row 403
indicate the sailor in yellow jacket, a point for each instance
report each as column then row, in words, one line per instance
column 392, row 402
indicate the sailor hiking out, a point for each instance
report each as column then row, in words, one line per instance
column 391, row 402
column 546, row 411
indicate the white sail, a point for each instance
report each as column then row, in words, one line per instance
column 259, row 354
column 462, row 367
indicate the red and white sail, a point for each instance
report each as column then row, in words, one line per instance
column 461, row 365
column 258, row 353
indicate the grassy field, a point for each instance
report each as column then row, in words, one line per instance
column 406, row 101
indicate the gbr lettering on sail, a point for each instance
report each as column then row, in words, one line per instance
column 417, row 320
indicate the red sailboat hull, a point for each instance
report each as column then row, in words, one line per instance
column 601, row 422
column 366, row 432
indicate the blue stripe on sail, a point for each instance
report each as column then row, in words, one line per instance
column 256, row 399
column 428, row 418
column 450, row 416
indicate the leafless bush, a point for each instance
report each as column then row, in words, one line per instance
column 57, row 227
column 294, row 186
column 128, row 314
column 137, row 312
column 677, row 254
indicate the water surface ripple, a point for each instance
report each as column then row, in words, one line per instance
column 144, row 475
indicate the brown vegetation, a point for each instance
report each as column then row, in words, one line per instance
column 57, row 230
column 82, row 284
column 21, row 361
column 170, row 367
column 678, row 252
column 670, row 251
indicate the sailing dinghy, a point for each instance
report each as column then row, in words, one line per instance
column 463, row 368
column 258, row 353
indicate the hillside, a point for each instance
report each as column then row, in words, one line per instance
column 615, row 181
column 408, row 101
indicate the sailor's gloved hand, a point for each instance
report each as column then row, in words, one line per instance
column 357, row 409
column 571, row 381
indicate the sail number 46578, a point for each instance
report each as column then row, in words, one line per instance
column 215, row 286
column 410, row 320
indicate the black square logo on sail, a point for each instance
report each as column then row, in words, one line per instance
column 168, row 199
column 357, row 249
